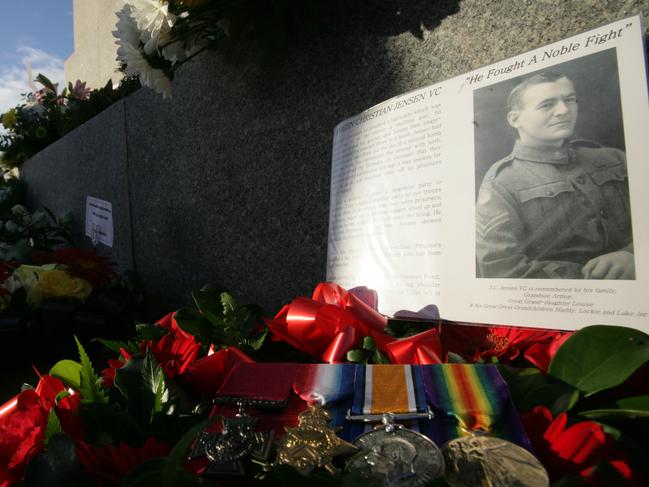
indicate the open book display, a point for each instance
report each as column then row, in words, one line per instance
column 512, row 194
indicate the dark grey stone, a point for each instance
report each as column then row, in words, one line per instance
column 229, row 181
column 89, row 161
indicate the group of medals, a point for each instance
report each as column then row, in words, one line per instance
column 393, row 448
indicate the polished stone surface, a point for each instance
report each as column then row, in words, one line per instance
column 229, row 181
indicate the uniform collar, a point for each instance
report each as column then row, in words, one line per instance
column 546, row 155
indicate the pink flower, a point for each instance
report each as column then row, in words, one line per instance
column 79, row 90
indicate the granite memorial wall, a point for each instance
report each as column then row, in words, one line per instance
column 228, row 182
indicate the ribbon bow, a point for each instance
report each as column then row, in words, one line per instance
column 334, row 321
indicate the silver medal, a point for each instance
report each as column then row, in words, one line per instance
column 395, row 456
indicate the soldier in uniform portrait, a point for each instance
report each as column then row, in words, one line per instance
column 556, row 207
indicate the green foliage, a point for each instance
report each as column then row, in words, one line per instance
column 47, row 115
column 220, row 320
column 632, row 408
column 53, row 426
column 600, row 357
column 367, row 354
column 22, row 231
column 89, row 383
column 156, row 472
column 69, row 372
column 131, row 346
column 57, row 465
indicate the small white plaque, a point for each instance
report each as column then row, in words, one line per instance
column 99, row 221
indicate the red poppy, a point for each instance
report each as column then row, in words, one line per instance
column 108, row 465
column 475, row 342
column 573, row 450
column 99, row 271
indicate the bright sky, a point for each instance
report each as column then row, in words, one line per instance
column 37, row 33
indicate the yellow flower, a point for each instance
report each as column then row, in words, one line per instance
column 9, row 119
column 60, row 284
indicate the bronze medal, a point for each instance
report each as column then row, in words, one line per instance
column 485, row 460
column 312, row 443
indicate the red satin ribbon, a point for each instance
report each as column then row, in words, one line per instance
column 334, row 321
column 204, row 376
column 421, row 349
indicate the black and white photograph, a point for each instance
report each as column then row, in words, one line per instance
column 551, row 180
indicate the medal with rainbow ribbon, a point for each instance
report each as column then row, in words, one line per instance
column 472, row 402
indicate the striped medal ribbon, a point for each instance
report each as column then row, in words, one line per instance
column 473, row 398
column 392, row 454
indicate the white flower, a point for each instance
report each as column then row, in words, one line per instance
column 137, row 65
column 173, row 52
column 152, row 18
column 127, row 31
column 129, row 53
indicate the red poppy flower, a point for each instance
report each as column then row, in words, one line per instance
column 474, row 342
column 573, row 450
column 22, row 430
column 108, row 465
column 99, row 271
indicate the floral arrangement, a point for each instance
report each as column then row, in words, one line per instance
column 47, row 115
column 583, row 396
column 156, row 37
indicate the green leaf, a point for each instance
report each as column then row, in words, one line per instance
column 116, row 346
column 129, row 381
column 257, row 343
column 53, row 426
column 608, row 414
column 148, row 331
column 89, row 384
column 45, row 81
column 455, row 358
column 368, row 343
column 210, row 305
column 599, row 357
column 379, row 358
column 230, row 304
column 557, row 397
column 69, row 372
column 356, row 356
column 521, row 382
column 155, row 393
column 640, row 403
column 58, row 465
column 194, row 323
